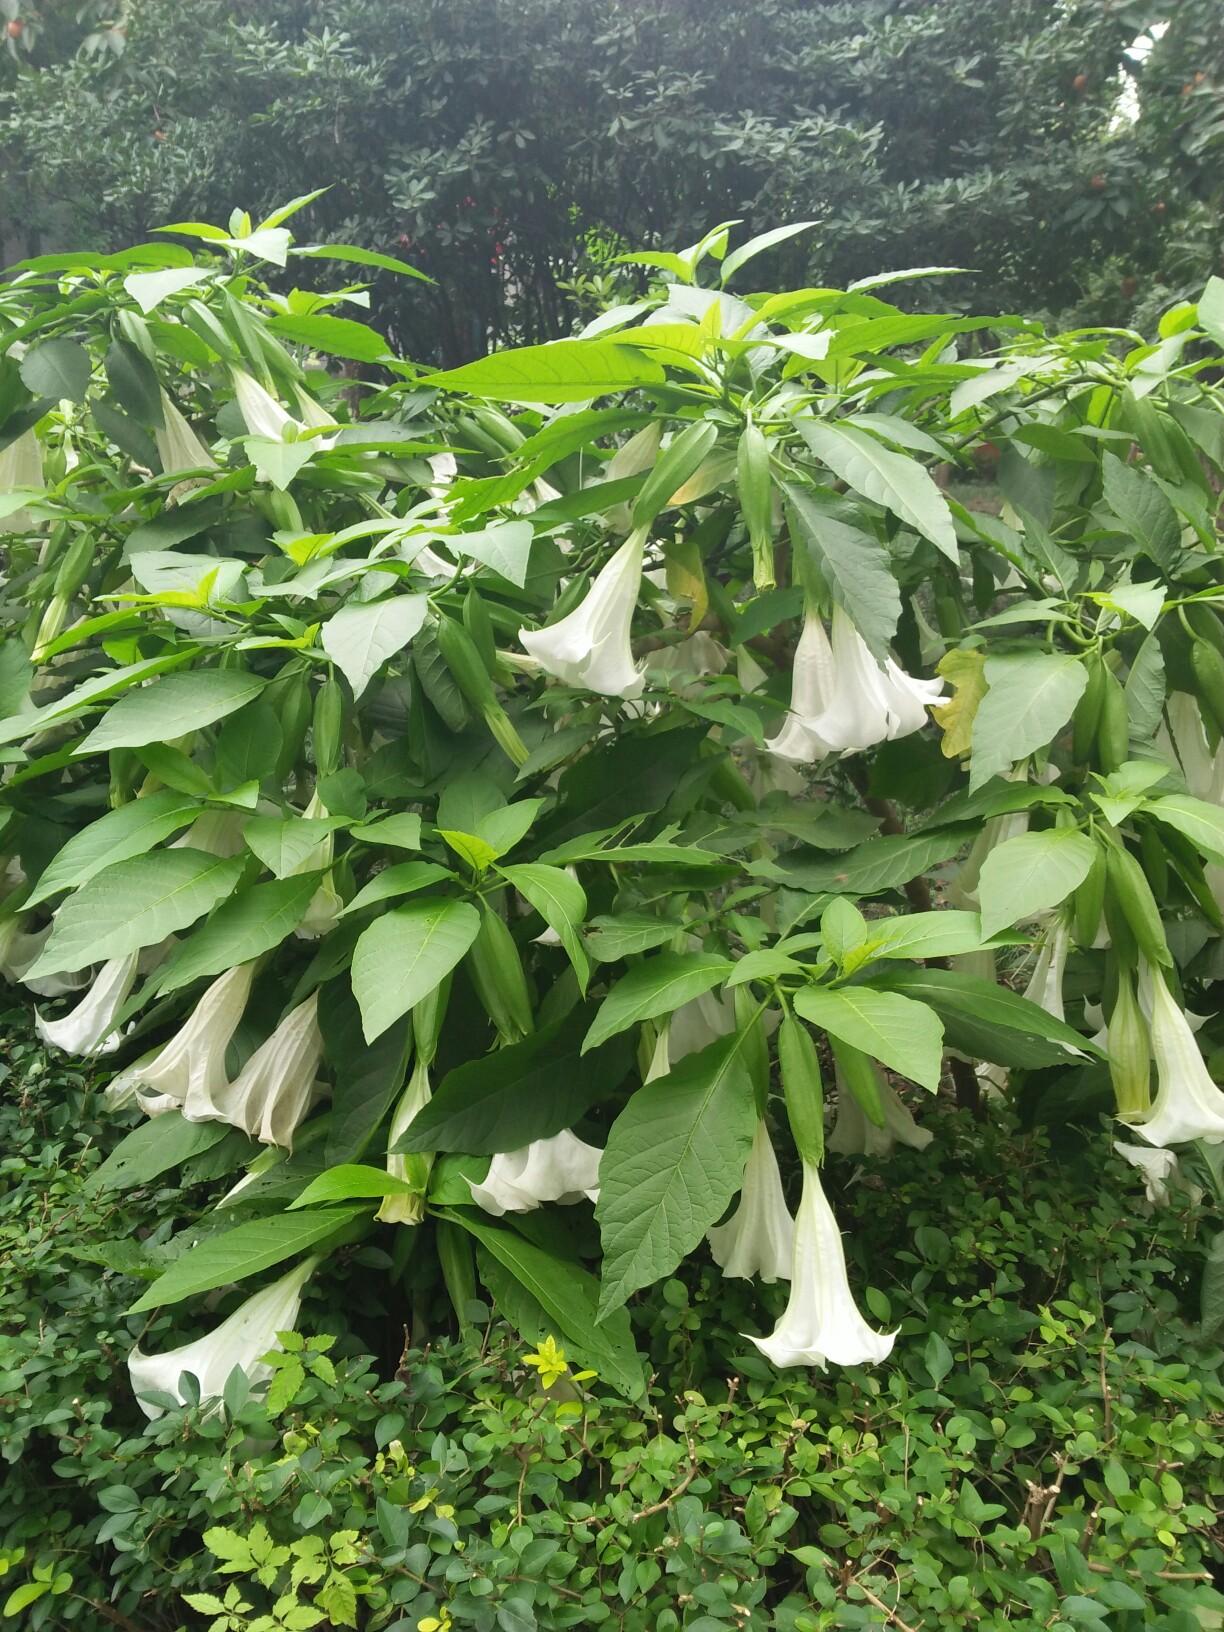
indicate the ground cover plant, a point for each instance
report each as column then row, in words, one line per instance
column 453, row 800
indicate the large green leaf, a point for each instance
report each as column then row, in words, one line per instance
column 904, row 1035
column 568, row 1297
column 945, row 934
column 83, row 697
column 172, row 707
column 285, row 843
column 659, row 986
column 158, row 1144
column 560, row 900
column 1202, row 823
column 988, row 1021
column 506, row 547
column 675, row 1158
column 337, row 336
column 244, row 1251
column 881, row 474
column 1025, row 875
column 563, row 371
column 880, row 864
column 57, row 369
column 405, row 954
column 368, row 1076
column 134, row 904
column 531, row 1090
column 351, row 1181
column 855, row 565
column 1143, row 510
column 403, row 879
column 132, row 830
column 360, row 638
column 1030, row 697
column 244, row 927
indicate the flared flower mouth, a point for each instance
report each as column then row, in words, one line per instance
column 1188, row 1104
column 89, row 1028
column 276, row 1087
column 821, row 1322
column 562, row 1169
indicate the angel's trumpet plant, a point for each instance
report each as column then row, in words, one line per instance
column 562, row 1169
column 759, row 1237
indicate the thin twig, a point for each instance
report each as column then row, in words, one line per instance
column 893, row 1618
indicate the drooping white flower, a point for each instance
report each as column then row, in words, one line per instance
column 854, row 1135
column 1045, row 982
column 821, row 1322
column 89, row 1028
column 190, row 1068
column 20, row 467
column 759, row 1237
column 403, row 1209
column 698, row 1023
column 562, row 1169
column 1203, row 770
column 1158, row 1166
column 276, row 1086
column 842, row 701
column 1188, row 1104
column 178, row 446
column 20, row 950
column 698, row 654
column 590, row 647
column 265, row 416
column 249, row 1333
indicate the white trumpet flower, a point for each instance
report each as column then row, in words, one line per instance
column 275, row 1088
column 842, row 701
column 562, row 1169
column 20, row 467
column 241, row 1341
column 698, row 1023
column 178, row 446
column 759, row 1237
column 1157, row 1166
column 821, row 1322
column 1188, row 1104
column 264, row 416
column 403, row 1209
column 854, row 1135
column 1203, row 770
column 1045, row 982
column 89, row 1028
column 190, row 1069
column 590, row 647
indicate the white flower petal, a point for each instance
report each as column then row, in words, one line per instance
column 562, row 1169
column 590, row 647
column 190, row 1069
column 89, row 1027
column 276, row 1087
column 759, row 1237
column 1188, row 1104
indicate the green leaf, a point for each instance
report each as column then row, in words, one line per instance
column 886, row 477
column 91, row 691
column 855, row 566
column 360, row 638
column 244, row 1251
column 674, row 1160
column 1025, row 875
column 57, row 369
column 351, row 1182
column 1145, row 691
column 149, row 289
column 562, row 371
column 244, row 927
column 561, row 901
column 569, row 1296
column 758, row 245
column 404, row 879
column 1143, row 510
column 133, row 379
column 905, row 1036
column 879, row 865
column 1202, row 823
column 946, row 934
column 369, row 1077
column 284, row 844
column 153, row 1148
column 987, row 1021
column 336, row 336
column 529, row 1091
column 405, row 954
column 360, row 257
column 1030, row 697
column 609, row 939
column 134, row 904
column 172, row 707
column 659, row 986
column 400, row 832
column 279, row 462
column 506, row 547
column 132, row 830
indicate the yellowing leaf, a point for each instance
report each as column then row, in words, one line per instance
column 966, row 670
column 686, row 578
